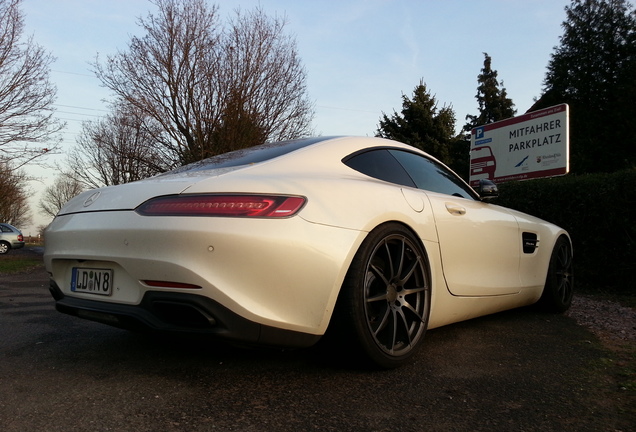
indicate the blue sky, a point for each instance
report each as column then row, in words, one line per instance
column 360, row 55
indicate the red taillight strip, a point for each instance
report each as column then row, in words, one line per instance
column 264, row 206
column 166, row 284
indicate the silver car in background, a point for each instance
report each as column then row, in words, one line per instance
column 10, row 238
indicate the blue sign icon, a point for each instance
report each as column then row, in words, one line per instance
column 479, row 132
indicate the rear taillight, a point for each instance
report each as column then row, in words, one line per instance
column 20, row 238
column 263, row 206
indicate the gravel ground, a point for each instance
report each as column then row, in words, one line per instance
column 605, row 318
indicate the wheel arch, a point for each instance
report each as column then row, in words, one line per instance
column 354, row 252
column 383, row 224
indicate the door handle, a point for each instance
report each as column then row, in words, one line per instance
column 455, row 209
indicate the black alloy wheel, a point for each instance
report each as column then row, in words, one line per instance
column 559, row 286
column 386, row 296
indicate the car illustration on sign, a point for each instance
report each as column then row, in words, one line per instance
column 482, row 163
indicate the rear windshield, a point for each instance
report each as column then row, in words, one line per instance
column 249, row 155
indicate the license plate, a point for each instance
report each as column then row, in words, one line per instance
column 93, row 281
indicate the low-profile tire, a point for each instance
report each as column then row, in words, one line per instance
column 384, row 305
column 4, row 248
column 559, row 285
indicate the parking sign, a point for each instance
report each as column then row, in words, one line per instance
column 533, row 145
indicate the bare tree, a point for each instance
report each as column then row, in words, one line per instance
column 207, row 85
column 14, row 188
column 266, row 74
column 117, row 149
column 59, row 193
column 28, row 128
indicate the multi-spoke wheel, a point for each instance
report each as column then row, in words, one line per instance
column 559, row 284
column 4, row 247
column 386, row 296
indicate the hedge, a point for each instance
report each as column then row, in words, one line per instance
column 598, row 212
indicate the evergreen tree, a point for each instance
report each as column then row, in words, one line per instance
column 421, row 124
column 594, row 71
column 494, row 104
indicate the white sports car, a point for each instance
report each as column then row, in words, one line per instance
column 368, row 238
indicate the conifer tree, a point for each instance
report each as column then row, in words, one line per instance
column 594, row 71
column 421, row 124
column 494, row 104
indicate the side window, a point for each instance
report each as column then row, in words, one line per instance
column 432, row 176
column 380, row 164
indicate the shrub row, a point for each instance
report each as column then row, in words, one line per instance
column 598, row 212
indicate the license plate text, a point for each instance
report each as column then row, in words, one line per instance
column 93, row 281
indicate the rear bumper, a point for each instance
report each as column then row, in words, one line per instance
column 283, row 274
column 182, row 314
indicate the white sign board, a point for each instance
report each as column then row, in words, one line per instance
column 533, row 145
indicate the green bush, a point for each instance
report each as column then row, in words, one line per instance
column 598, row 212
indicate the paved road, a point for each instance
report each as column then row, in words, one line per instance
column 514, row 371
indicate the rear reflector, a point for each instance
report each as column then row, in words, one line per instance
column 166, row 284
column 263, row 206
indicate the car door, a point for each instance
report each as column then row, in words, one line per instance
column 480, row 243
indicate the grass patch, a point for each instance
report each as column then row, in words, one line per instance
column 18, row 263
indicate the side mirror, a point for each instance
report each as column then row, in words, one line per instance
column 487, row 190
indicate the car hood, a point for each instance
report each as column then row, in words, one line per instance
column 129, row 196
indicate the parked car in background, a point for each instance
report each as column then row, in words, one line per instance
column 364, row 240
column 10, row 238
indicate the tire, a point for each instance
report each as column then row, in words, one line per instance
column 4, row 247
column 559, row 285
column 385, row 300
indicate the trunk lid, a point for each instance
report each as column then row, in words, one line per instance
column 129, row 196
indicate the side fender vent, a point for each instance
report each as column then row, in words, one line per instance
column 530, row 242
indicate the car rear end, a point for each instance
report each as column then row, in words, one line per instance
column 10, row 238
column 194, row 253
